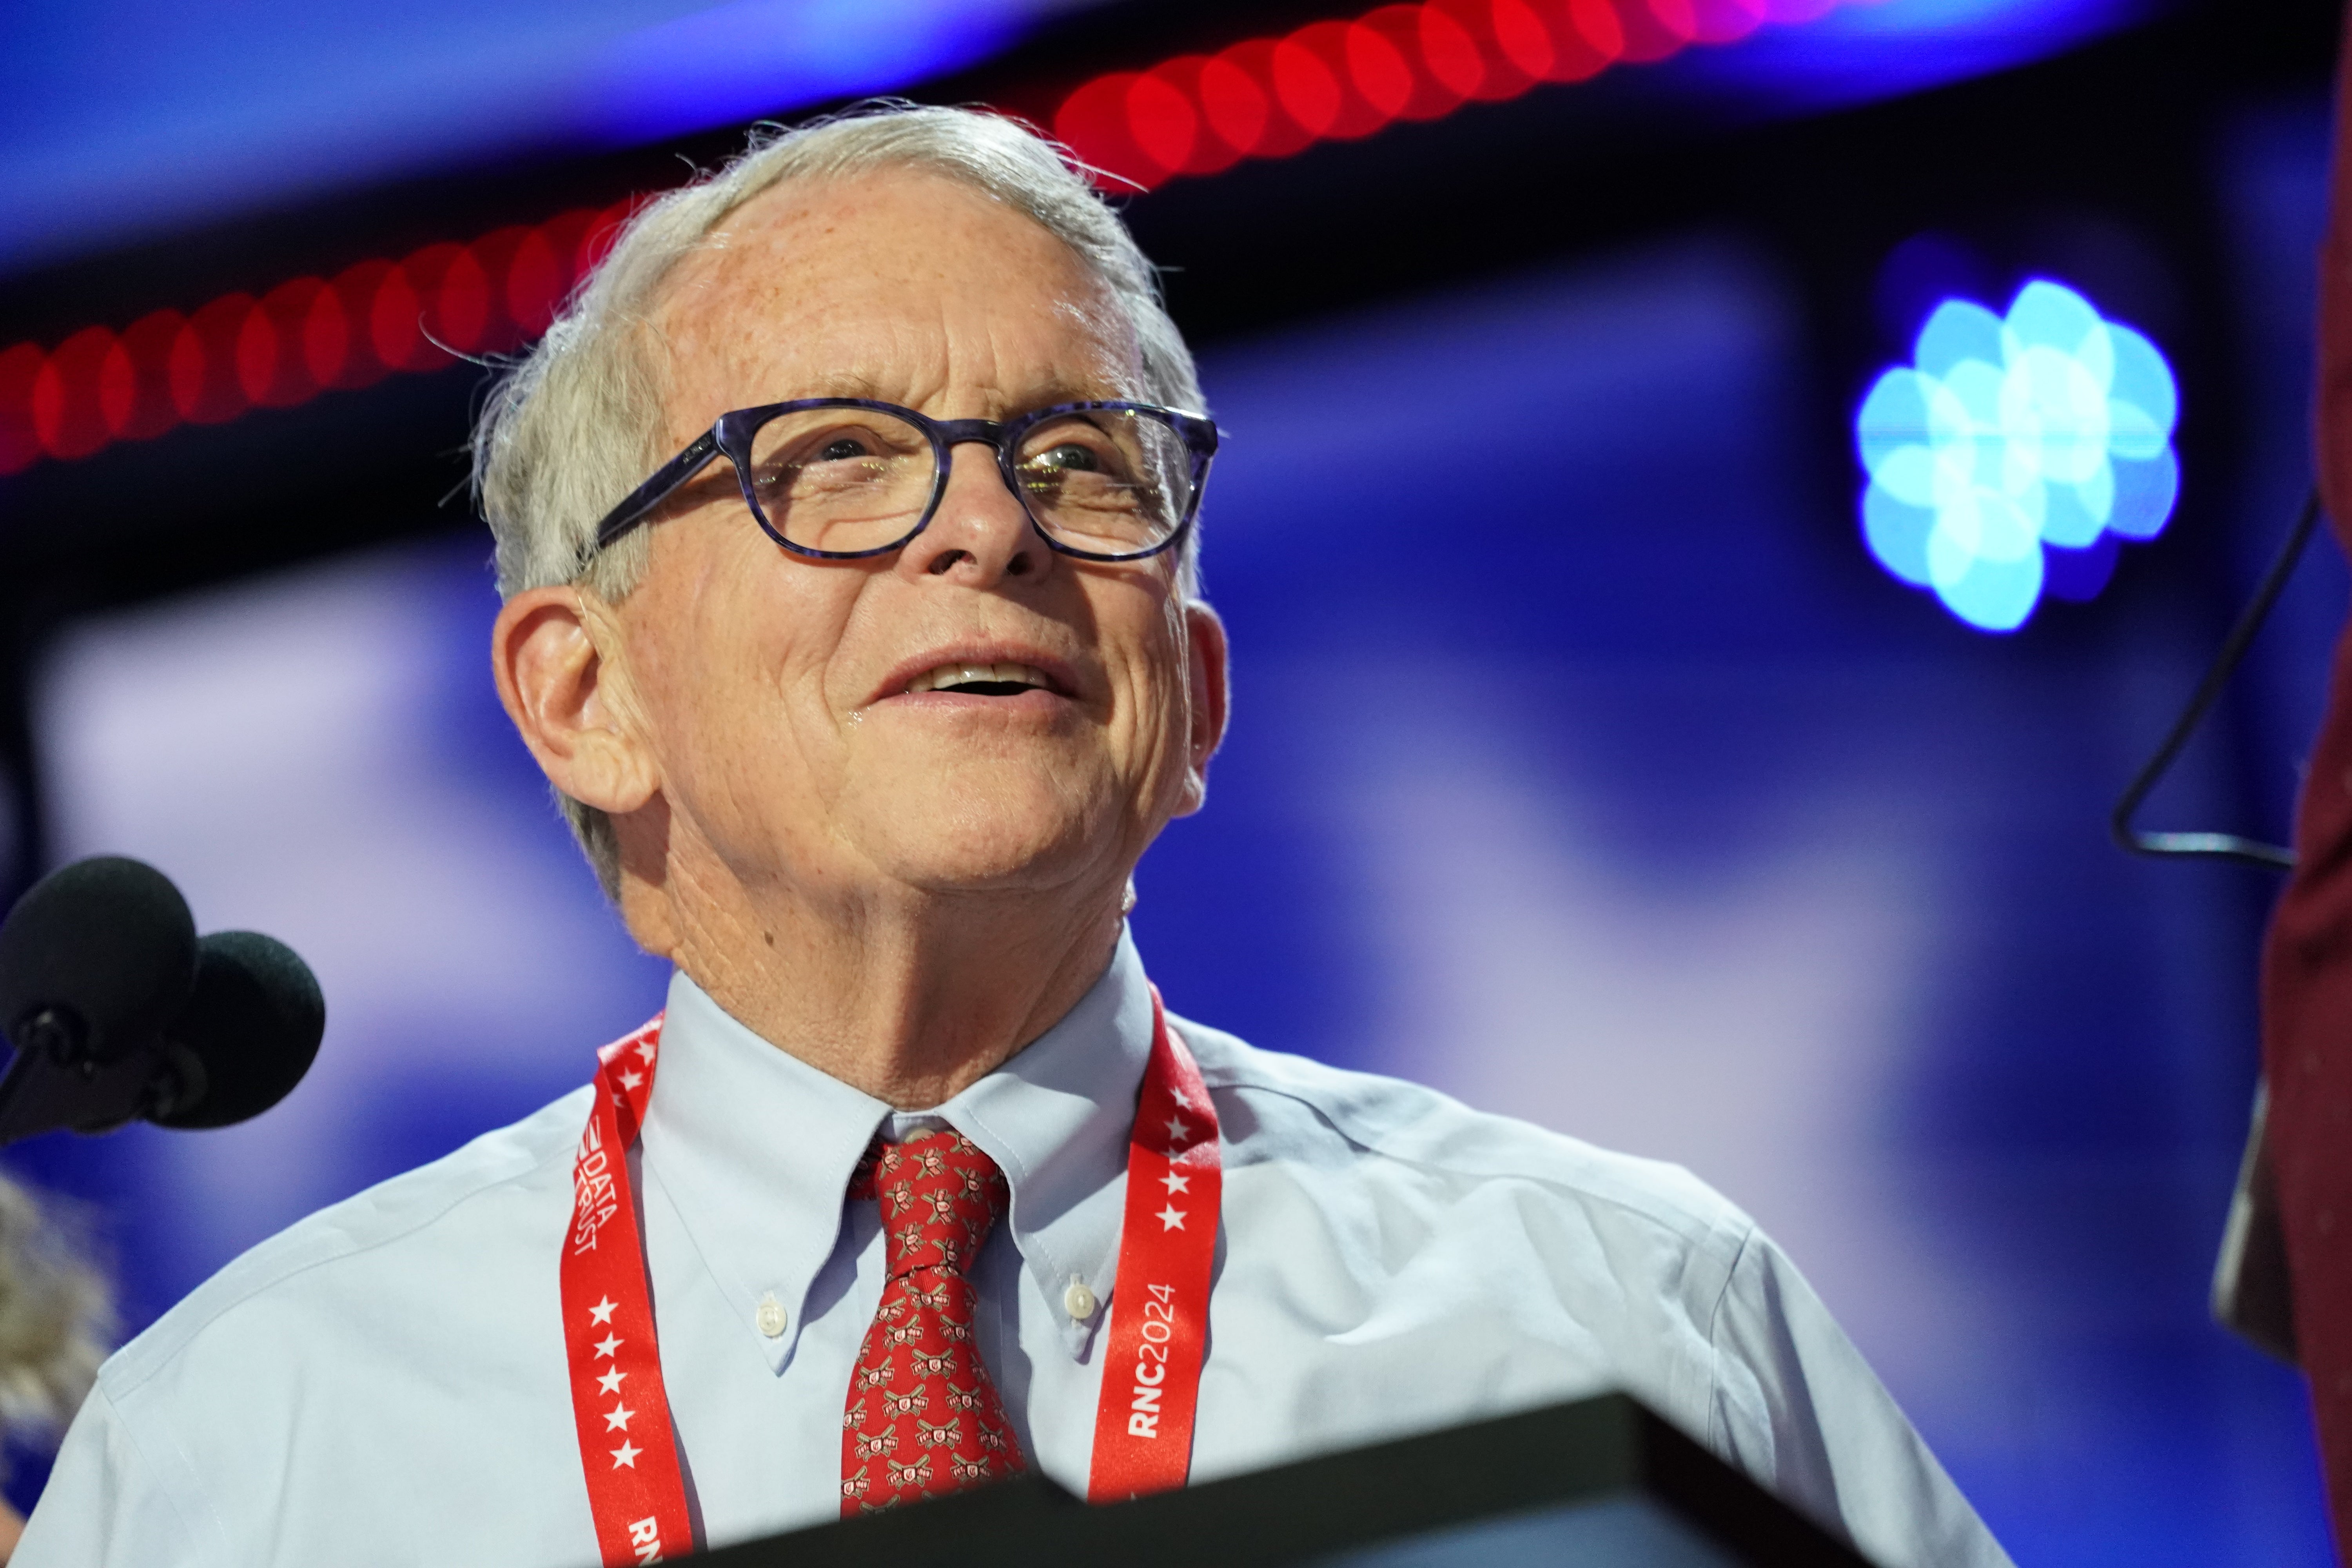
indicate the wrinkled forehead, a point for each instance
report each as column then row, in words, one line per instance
column 898, row 283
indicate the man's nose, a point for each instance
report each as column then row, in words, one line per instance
column 980, row 532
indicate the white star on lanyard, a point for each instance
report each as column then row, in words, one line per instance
column 1176, row 1183
column 1176, row 1128
column 1177, row 1096
column 608, row 1344
column 602, row 1312
column 617, row 1419
column 630, row 1080
column 626, row 1454
column 1170, row 1218
column 648, row 1049
column 611, row 1382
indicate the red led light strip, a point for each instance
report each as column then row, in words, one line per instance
column 1196, row 115
column 1269, row 98
column 302, row 338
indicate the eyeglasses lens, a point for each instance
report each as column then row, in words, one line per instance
column 1106, row 481
column 841, row 480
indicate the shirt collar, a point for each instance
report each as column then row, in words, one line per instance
column 756, row 1147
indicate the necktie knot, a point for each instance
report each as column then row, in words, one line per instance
column 940, row 1198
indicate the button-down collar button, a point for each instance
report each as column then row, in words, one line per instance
column 1079, row 1302
column 770, row 1316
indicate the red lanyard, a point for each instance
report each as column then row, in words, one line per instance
column 636, row 1489
column 1159, row 1308
column 1155, row 1339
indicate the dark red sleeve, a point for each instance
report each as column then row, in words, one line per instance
column 2307, row 960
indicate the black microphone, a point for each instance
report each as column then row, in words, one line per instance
column 252, row 1023
column 116, row 1010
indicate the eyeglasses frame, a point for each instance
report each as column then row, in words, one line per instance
column 731, row 433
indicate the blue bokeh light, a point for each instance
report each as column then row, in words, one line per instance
column 2008, row 436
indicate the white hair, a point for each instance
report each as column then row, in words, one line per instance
column 57, row 1317
column 577, row 422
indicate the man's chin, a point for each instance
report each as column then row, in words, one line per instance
column 1032, row 819
column 1042, row 876
column 994, row 858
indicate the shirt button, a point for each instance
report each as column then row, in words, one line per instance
column 1079, row 1302
column 770, row 1316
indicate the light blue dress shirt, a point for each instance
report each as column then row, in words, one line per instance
column 385, row 1382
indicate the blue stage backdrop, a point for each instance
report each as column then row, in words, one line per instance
column 1583, row 765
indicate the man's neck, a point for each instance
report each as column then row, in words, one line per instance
column 906, row 995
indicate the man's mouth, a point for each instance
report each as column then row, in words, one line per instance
column 980, row 679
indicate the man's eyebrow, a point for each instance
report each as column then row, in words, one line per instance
column 1045, row 395
column 1035, row 394
column 843, row 384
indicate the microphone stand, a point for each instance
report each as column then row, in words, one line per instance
column 56, row 1081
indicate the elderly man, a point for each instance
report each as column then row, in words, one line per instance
column 865, row 704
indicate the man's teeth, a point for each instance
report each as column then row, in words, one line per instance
column 948, row 676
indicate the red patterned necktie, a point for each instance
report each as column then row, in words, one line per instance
column 923, row 1419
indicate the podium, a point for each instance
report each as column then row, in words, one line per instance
column 1597, row 1483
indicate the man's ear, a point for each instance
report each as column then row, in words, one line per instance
column 551, row 654
column 1205, row 675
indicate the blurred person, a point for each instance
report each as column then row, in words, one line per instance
column 57, row 1318
column 847, row 529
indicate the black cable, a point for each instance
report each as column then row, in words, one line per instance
column 2215, row 846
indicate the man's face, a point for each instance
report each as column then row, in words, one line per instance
column 773, row 692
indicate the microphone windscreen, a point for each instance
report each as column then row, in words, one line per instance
column 108, row 939
column 253, row 1020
